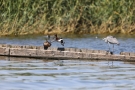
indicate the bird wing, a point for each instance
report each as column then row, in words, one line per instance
column 109, row 36
column 113, row 40
column 60, row 40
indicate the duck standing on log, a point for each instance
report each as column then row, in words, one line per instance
column 46, row 44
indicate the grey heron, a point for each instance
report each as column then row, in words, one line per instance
column 111, row 40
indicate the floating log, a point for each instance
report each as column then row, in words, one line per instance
column 62, row 53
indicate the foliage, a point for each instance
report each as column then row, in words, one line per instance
column 76, row 16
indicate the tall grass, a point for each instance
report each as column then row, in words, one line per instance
column 62, row 16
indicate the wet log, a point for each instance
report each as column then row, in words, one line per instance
column 62, row 53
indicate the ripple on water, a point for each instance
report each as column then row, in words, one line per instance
column 73, row 75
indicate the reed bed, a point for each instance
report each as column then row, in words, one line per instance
column 19, row 17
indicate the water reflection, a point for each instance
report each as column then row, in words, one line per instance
column 33, row 74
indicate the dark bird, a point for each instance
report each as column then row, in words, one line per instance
column 111, row 40
column 47, row 44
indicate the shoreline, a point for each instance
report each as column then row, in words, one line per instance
column 63, row 33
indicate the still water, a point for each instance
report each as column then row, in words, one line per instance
column 44, row 74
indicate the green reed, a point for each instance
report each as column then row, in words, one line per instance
column 76, row 16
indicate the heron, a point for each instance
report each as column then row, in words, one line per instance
column 111, row 40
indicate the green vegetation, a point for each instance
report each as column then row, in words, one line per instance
column 67, row 16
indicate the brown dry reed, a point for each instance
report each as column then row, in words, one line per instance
column 19, row 17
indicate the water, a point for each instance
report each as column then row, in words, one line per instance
column 31, row 74
column 127, row 43
column 43, row 74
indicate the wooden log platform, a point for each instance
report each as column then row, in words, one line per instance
column 62, row 53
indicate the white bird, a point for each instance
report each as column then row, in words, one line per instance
column 111, row 40
column 59, row 40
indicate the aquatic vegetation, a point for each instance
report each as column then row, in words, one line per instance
column 66, row 16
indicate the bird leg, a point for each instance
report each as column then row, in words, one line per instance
column 109, row 46
column 110, row 49
column 111, row 52
column 113, row 47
